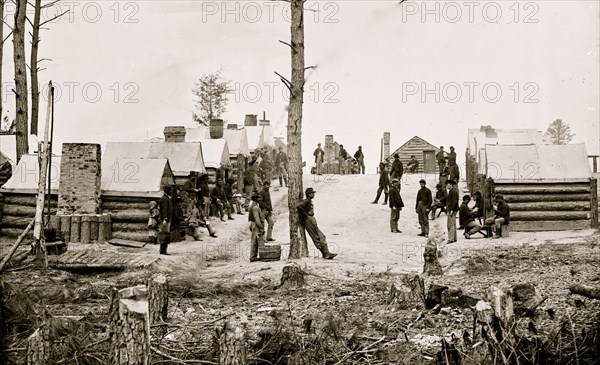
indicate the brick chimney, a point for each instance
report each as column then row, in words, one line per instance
column 264, row 121
column 250, row 120
column 174, row 134
column 80, row 173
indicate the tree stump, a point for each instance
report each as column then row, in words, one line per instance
column 408, row 293
column 292, row 277
column 39, row 346
column 129, row 327
column 432, row 265
column 158, row 302
column 502, row 303
column 232, row 346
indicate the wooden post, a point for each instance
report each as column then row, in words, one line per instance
column 86, row 232
column 65, row 227
column 102, row 228
column 431, row 264
column 594, row 201
column 292, row 277
column 39, row 346
column 232, row 346
column 94, row 223
column 158, row 301
column 75, row 228
column 55, row 222
column 488, row 197
column 129, row 328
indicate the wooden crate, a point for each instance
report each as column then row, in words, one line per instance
column 269, row 253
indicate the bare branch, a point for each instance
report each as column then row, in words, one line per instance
column 285, row 81
column 56, row 17
column 289, row 45
column 309, row 67
column 7, row 36
column 7, row 24
column 44, row 59
column 49, row 4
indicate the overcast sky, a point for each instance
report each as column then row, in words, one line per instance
column 126, row 69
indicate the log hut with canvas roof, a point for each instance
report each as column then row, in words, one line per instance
column 423, row 151
column 548, row 187
column 216, row 158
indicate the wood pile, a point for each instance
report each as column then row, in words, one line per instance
column 84, row 228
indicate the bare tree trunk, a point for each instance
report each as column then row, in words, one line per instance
column 33, row 63
column 39, row 346
column 129, row 328
column 20, row 79
column 232, row 346
column 158, row 302
column 1, row 53
column 294, row 128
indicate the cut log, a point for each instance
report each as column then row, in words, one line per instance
column 585, row 290
column 86, row 229
column 19, row 210
column 542, row 189
column 94, row 223
column 124, row 205
column 529, row 226
column 131, row 236
column 158, row 302
column 541, row 198
column 27, row 200
column 16, row 244
column 104, row 228
column 431, row 264
column 130, row 215
column 548, row 216
column 594, row 203
column 65, row 227
column 550, row 206
column 130, row 226
column 232, row 346
column 407, row 293
column 126, row 243
column 292, row 277
column 75, row 228
column 129, row 328
column 39, row 346
column 12, row 221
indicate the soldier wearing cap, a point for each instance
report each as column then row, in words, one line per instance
column 306, row 216
column 451, row 210
column 257, row 226
column 267, row 208
column 396, row 205
column 281, row 163
column 424, row 201
column 318, row 153
column 164, row 218
column 441, row 159
column 501, row 215
column 360, row 158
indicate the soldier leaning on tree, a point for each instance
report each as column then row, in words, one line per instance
column 306, row 216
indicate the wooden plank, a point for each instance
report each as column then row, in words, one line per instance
column 527, row 226
column 130, row 215
column 594, row 202
column 550, row 206
column 127, row 243
column 547, row 198
column 548, row 216
column 533, row 189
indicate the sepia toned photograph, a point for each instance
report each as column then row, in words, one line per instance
column 299, row 182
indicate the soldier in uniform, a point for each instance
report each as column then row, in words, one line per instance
column 384, row 182
column 360, row 158
column 267, row 208
column 306, row 215
column 319, row 154
column 451, row 210
column 165, row 217
column 397, row 168
column 257, row 227
column 281, row 162
column 396, row 205
column 422, row 208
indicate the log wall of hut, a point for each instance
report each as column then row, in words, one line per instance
column 548, row 206
column 18, row 210
column 129, row 216
column 415, row 146
column 5, row 173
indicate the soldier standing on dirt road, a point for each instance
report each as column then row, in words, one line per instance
column 360, row 158
column 318, row 153
column 424, row 201
column 451, row 210
column 396, row 205
column 384, row 182
column 267, row 208
column 306, row 216
column 164, row 220
column 257, row 226
column 397, row 168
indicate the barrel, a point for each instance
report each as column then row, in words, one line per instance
column 216, row 128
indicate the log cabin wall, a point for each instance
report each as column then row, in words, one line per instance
column 415, row 146
column 550, row 206
column 129, row 216
column 18, row 210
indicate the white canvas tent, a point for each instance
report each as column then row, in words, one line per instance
column 183, row 157
column 137, row 177
column 268, row 138
column 237, row 142
column 532, row 163
column 25, row 177
column 197, row 134
column 255, row 137
column 215, row 153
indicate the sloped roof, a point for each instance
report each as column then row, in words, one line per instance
column 197, row 134
column 183, row 157
column 415, row 138
column 477, row 138
column 237, row 141
column 137, row 176
column 215, row 152
column 537, row 162
column 25, row 177
column 255, row 137
column 268, row 136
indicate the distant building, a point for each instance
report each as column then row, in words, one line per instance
column 423, row 151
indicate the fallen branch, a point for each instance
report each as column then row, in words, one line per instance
column 585, row 290
column 179, row 361
column 14, row 247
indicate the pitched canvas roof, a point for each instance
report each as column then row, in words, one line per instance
column 215, row 152
column 537, row 162
column 137, row 176
column 183, row 157
column 255, row 137
column 477, row 138
column 197, row 134
column 268, row 136
column 237, row 141
column 25, row 177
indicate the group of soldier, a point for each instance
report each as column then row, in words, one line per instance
column 348, row 164
column 446, row 200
